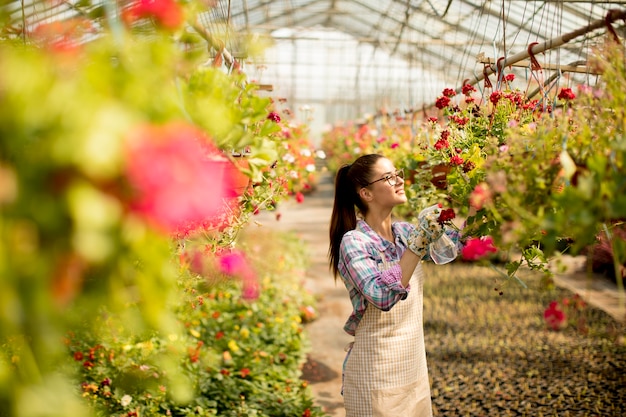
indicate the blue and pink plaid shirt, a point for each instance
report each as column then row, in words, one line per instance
column 361, row 269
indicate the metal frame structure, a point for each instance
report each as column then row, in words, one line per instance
column 349, row 57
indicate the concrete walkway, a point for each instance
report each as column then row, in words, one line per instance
column 310, row 221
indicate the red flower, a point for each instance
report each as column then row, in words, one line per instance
column 78, row 356
column 273, row 116
column 566, row 94
column 299, row 197
column 219, row 335
column 509, row 77
column 554, row 316
column 441, row 144
column 459, row 120
column 468, row 89
column 244, row 372
column 448, row 92
column 468, row 166
column 478, row 248
column 495, row 97
column 446, row 215
column 432, row 119
column 442, row 102
column 225, row 372
column 456, row 160
column 306, row 413
column 62, row 36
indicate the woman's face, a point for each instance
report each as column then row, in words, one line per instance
column 387, row 184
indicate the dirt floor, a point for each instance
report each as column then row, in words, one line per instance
column 489, row 354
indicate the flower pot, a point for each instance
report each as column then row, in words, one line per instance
column 438, row 174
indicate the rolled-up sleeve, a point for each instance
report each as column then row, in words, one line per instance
column 360, row 266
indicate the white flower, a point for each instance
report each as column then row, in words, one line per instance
column 289, row 158
column 305, row 152
column 320, row 154
column 126, row 399
column 310, row 167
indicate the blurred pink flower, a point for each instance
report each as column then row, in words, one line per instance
column 177, row 177
column 234, row 263
column 167, row 13
column 478, row 248
column 481, row 195
column 554, row 316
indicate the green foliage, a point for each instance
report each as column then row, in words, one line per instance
column 73, row 92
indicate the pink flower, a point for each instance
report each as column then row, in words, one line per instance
column 167, row 13
column 177, row 178
column 554, row 316
column 478, row 248
column 394, row 145
column 234, row 263
column 481, row 195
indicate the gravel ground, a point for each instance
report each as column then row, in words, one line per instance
column 491, row 354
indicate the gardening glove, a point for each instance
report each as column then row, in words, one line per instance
column 427, row 231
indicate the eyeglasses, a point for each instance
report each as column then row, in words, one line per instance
column 392, row 179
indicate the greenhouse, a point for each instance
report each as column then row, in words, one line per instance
column 312, row 208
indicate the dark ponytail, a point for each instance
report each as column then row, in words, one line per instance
column 348, row 181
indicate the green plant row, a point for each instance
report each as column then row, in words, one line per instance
column 238, row 357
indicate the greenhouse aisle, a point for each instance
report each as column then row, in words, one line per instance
column 309, row 220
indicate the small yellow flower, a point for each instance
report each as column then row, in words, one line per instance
column 244, row 332
column 232, row 345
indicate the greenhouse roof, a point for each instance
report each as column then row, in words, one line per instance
column 370, row 53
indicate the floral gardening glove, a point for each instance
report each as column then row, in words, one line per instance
column 427, row 231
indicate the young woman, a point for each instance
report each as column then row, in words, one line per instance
column 384, row 373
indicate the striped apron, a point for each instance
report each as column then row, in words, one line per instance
column 385, row 372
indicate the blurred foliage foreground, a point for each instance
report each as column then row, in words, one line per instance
column 132, row 152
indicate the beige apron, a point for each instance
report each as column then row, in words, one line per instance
column 385, row 372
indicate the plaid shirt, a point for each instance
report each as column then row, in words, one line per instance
column 362, row 271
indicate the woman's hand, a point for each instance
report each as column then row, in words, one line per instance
column 427, row 231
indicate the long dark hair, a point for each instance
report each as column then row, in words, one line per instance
column 348, row 181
